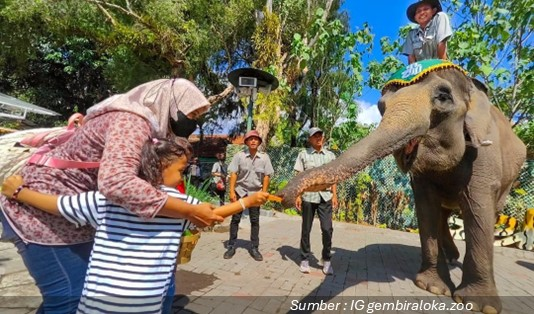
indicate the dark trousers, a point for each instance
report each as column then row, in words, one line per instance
column 254, row 215
column 324, row 211
column 195, row 181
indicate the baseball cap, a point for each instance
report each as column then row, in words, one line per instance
column 314, row 130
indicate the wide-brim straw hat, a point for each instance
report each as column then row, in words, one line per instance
column 410, row 12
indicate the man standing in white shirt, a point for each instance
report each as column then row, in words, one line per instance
column 321, row 202
column 250, row 172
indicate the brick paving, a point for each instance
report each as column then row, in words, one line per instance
column 370, row 264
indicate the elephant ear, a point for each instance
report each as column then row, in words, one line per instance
column 478, row 117
column 479, row 85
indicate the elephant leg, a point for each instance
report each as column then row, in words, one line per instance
column 449, row 247
column 478, row 206
column 433, row 275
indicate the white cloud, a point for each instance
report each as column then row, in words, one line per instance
column 369, row 113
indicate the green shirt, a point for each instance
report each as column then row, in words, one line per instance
column 309, row 159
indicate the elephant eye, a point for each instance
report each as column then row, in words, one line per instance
column 444, row 97
column 443, row 94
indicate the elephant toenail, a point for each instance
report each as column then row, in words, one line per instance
column 488, row 309
column 474, row 307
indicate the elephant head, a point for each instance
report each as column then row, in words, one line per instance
column 434, row 117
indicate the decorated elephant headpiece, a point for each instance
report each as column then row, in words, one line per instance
column 414, row 72
column 477, row 118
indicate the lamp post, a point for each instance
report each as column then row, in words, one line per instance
column 249, row 82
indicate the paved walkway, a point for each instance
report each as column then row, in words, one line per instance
column 373, row 268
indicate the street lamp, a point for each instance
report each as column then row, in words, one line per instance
column 249, row 82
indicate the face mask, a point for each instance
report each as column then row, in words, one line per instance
column 184, row 126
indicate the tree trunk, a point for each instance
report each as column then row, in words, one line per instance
column 263, row 127
column 269, row 6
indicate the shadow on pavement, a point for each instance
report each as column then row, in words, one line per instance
column 373, row 263
column 187, row 282
column 527, row 265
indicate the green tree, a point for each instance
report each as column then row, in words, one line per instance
column 133, row 41
column 327, row 75
column 493, row 41
column 525, row 131
column 64, row 74
column 307, row 45
column 69, row 54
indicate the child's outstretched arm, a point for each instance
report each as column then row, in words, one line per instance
column 253, row 200
column 14, row 188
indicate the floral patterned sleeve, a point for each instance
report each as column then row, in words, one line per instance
column 117, row 176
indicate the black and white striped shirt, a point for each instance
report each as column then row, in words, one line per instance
column 132, row 260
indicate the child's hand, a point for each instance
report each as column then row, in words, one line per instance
column 11, row 184
column 232, row 196
column 256, row 199
column 204, row 216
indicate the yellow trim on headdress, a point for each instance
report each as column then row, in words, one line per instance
column 402, row 77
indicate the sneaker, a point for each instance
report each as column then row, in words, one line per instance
column 327, row 268
column 256, row 255
column 229, row 253
column 305, row 267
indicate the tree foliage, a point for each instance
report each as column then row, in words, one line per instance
column 65, row 74
column 323, row 70
column 130, row 42
column 68, row 54
column 493, row 41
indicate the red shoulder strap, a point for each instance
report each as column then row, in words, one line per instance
column 40, row 158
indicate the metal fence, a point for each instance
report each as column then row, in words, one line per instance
column 381, row 194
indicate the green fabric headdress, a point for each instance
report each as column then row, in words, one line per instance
column 412, row 73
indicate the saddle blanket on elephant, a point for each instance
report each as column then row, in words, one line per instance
column 15, row 154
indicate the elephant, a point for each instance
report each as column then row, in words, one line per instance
column 461, row 155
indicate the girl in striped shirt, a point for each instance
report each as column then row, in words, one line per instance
column 133, row 259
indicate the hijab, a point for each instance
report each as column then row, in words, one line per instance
column 157, row 101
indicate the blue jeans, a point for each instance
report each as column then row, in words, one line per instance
column 169, row 298
column 58, row 270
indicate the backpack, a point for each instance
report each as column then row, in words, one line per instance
column 30, row 146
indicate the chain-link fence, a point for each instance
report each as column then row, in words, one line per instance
column 381, row 194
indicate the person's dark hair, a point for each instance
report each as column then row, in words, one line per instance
column 158, row 153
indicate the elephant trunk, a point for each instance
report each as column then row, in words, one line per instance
column 396, row 130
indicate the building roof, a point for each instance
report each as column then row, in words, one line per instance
column 11, row 107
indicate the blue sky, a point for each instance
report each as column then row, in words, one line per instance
column 385, row 18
